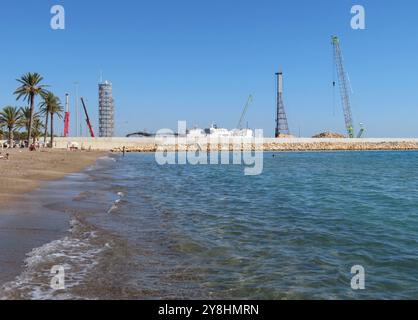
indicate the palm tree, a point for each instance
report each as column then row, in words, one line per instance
column 49, row 100
column 10, row 117
column 25, row 119
column 29, row 89
column 1, row 132
column 37, row 129
column 55, row 109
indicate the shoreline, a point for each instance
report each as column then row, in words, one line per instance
column 25, row 171
column 29, row 218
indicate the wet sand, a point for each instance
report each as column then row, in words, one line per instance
column 25, row 221
column 24, row 171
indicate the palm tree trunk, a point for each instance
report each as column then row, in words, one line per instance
column 32, row 107
column 52, row 130
column 10, row 137
column 46, row 127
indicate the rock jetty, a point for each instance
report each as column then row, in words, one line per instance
column 281, row 145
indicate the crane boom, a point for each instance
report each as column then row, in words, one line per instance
column 247, row 105
column 344, row 86
column 87, row 118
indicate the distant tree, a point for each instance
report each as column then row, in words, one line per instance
column 37, row 128
column 30, row 87
column 50, row 107
column 10, row 118
column 20, row 135
column 25, row 119
column 49, row 100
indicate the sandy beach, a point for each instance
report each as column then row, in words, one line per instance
column 25, row 170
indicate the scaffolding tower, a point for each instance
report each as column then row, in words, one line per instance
column 282, row 126
column 106, row 110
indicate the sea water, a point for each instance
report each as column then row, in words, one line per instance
column 139, row 230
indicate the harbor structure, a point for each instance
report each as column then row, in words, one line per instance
column 282, row 126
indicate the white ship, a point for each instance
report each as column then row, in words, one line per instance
column 218, row 132
column 214, row 131
column 245, row 133
column 196, row 133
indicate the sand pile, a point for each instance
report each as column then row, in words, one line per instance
column 330, row 135
column 285, row 136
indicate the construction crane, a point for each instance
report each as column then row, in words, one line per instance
column 344, row 89
column 361, row 132
column 247, row 105
column 87, row 118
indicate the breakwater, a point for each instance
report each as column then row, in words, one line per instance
column 246, row 144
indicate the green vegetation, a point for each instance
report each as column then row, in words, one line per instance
column 25, row 123
column 50, row 106
column 10, row 118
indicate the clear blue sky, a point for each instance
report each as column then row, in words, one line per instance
column 198, row 60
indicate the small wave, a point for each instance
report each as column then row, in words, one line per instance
column 77, row 253
column 116, row 203
column 108, row 158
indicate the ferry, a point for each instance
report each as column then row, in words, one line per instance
column 215, row 131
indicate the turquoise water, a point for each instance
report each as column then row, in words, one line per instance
column 293, row 232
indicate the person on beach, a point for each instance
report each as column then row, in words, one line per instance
column 4, row 157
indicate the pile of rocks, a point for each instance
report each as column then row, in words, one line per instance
column 139, row 148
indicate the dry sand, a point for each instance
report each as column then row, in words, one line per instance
column 25, row 170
